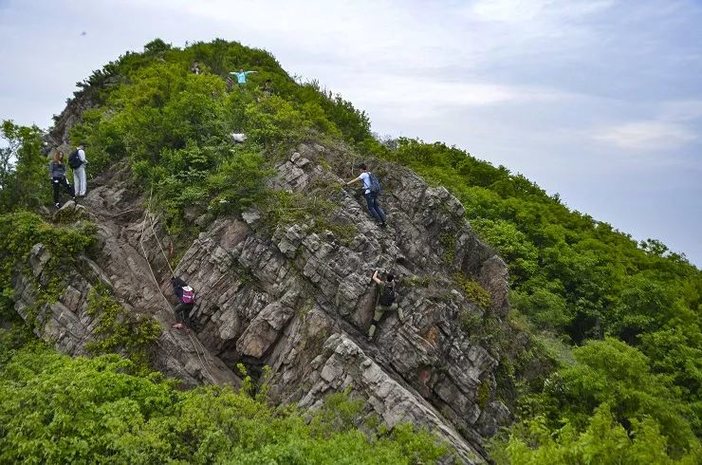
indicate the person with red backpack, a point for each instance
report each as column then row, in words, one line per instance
column 186, row 302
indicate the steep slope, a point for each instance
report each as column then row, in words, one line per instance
column 281, row 256
column 298, row 298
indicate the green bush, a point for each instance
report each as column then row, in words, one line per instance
column 20, row 232
column 61, row 410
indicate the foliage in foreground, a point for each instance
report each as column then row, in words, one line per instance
column 604, row 442
column 60, row 410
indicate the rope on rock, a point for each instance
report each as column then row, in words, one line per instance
column 168, row 304
column 194, row 340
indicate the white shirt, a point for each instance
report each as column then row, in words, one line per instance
column 81, row 155
column 365, row 177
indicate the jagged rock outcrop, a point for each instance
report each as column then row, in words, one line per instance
column 298, row 298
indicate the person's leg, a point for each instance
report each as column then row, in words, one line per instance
column 68, row 187
column 370, row 201
column 56, row 185
column 76, row 181
column 379, row 310
column 187, row 309
column 179, row 313
column 379, row 211
column 82, row 185
column 400, row 313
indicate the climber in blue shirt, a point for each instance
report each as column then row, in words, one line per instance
column 241, row 75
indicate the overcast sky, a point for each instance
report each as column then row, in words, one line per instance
column 597, row 100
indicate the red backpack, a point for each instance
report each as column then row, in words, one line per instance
column 188, row 296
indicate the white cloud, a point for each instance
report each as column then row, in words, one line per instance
column 527, row 11
column 682, row 110
column 422, row 90
column 646, row 135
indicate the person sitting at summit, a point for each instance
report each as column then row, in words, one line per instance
column 371, row 189
column 241, row 75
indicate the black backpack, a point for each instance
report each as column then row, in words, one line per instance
column 74, row 160
column 374, row 184
column 387, row 296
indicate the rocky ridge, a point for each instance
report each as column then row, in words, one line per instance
column 297, row 296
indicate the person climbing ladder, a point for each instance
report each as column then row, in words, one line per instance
column 385, row 301
column 371, row 189
column 186, row 302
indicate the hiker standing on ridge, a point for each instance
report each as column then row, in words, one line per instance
column 241, row 75
column 371, row 189
column 77, row 162
column 57, row 173
column 186, row 302
column 386, row 301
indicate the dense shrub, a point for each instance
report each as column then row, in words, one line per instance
column 61, row 410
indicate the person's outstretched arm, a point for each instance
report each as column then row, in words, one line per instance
column 377, row 279
column 353, row 180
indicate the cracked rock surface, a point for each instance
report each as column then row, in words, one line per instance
column 298, row 297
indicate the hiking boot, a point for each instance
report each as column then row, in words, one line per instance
column 371, row 332
column 57, row 205
column 383, row 225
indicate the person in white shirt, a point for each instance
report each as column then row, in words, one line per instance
column 371, row 197
column 80, row 182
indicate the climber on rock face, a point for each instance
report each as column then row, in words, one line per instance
column 386, row 300
column 371, row 189
column 241, row 75
column 186, row 302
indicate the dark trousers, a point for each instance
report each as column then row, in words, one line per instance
column 57, row 183
column 374, row 208
column 182, row 312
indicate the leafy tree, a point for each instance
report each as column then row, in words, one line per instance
column 23, row 168
column 61, row 410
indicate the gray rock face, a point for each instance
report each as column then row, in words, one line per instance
column 299, row 298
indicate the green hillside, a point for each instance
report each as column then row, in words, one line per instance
column 615, row 373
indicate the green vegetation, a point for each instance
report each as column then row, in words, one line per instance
column 23, row 170
column 119, row 331
column 475, row 292
column 174, row 126
column 61, row 410
column 613, row 373
column 20, row 232
column 578, row 279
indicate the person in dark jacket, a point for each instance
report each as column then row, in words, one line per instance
column 57, row 173
column 186, row 302
column 385, row 300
